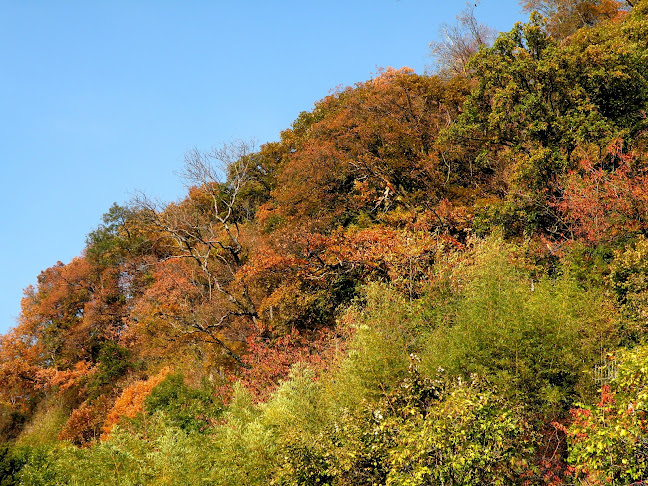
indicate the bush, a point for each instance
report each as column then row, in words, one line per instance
column 533, row 339
column 384, row 329
column 607, row 441
column 46, row 423
column 12, row 461
column 192, row 410
column 467, row 434
column 629, row 283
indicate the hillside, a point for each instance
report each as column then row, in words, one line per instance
column 429, row 279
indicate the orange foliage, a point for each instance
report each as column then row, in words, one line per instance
column 65, row 379
column 131, row 401
column 65, row 319
column 371, row 149
column 180, row 308
column 85, row 423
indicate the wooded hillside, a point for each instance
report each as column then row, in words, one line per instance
column 429, row 279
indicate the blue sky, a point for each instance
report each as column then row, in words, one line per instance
column 103, row 98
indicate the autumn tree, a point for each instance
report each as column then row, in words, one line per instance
column 371, row 150
column 204, row 236
column 606, row 198
column 73, row 316
column 53, row 320
column 536, row 102
column 364, row 160
column 54, row 342
column 565, row 17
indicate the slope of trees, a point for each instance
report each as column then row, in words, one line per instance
column 429, row 279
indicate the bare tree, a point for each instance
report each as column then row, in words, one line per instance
column 206, row 230
column 221, row 173
column 460, row 41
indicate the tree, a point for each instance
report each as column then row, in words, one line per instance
column 365, row 159
column 538, row 103
column 459, row 42
column 203, row 238
column 606, row 198
column 565, row 17
column 370, row 151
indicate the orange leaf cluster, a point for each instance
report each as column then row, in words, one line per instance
column 85, row 423
column 131, row 401
column 65, row 379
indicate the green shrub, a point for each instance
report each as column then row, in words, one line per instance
column 385, row 328
column 533, row 339
column 113, row 362
column 463, row 434
column 12, row 460
column 629, row 283
column 46, row 422
column 192, row 410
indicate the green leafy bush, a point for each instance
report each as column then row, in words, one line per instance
column 192, row 410
column 607, row 441
column 466, row 434
column 629, row 283
column 533, row 339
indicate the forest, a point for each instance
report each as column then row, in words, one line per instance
column 429, row 279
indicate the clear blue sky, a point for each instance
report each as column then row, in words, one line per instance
column 102, row 98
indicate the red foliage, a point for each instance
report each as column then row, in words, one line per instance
column 607, row 197
column 270, row 360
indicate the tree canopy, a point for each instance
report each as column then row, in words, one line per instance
column 428, row 279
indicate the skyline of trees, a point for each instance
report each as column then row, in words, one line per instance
column 415, row 284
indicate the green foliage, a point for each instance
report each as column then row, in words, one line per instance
column 534, row 339
column 588, row 265
column 114, row 239
column 536, row 101
column 46, row 422
column 12, row 460
column 189, row 409
column 298, row 414
column 526, row 98
column 113, row 362
column 607, row 442
column 629, row 283
column 613, row 74
column 165, row 456
column 40, row 467
column 468, row 435
column 245, row 449
column 385, row 330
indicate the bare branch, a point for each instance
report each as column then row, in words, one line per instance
column 203, row 228
column 460, row 41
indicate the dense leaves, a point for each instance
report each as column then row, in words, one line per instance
column 426, row 280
